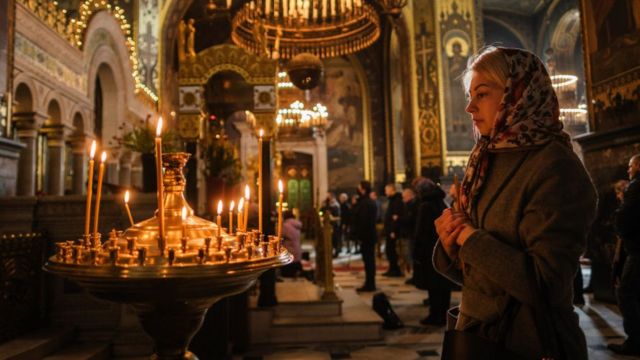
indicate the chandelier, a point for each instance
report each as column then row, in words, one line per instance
column 296, row 116
column 564, row 82
column 281, row 29
column 573, row 116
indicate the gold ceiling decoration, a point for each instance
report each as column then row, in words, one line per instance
column 281, row 29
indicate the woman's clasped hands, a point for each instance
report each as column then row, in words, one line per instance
column 454, row 228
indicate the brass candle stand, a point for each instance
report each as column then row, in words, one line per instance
column 169, row 283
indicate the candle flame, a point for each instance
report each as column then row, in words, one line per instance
column 219, row 207
column 247, row 192
column 280, row 186
column 233, row 203
column 103, row 158
column 126, row 197
column 240, row 204
column 92, row 153
column 261, row 132
column 159, row 128
column 184, row 213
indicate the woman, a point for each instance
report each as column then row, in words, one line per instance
column 526, row 203
column 291, row 228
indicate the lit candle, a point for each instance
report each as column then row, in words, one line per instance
column 184, row 221
column 240, row 206
column 280, row 200
column 219, row 218
column 233, row 203
column 260, row 180
column 247, row 194
column 160, row 192
column 99, row 195
column 126, row 206
column 87, row 213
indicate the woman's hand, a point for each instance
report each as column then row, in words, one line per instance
column 453, row 228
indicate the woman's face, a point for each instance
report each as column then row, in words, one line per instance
column 484, row 101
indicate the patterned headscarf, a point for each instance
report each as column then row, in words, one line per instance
column 528, row 117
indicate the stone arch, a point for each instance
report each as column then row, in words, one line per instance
column 107, row 60
column 522, row 41
column 366, row 118
column 24, row 98
column 54, row 112
column 78, row 123
column 397, row 39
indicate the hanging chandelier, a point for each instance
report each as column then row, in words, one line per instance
column 281, row 29
column 564, row 82
column 573, row 116
column 296, row 116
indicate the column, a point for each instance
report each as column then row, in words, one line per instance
column 80, row 160
column 124, row 178
column 56, row 136
column 27, row 126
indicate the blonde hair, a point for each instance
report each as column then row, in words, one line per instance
column 490, row 62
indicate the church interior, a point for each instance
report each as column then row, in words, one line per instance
column 215, row 119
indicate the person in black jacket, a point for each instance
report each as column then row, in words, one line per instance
column 392, row 220
column 628, row 292
column 345, row 220
column 407, row 228
column 431, row 205
column 364, row 223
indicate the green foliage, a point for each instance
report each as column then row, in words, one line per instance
column 221, row 161
column 141, row 138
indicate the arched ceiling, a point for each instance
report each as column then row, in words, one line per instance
column 520, row 7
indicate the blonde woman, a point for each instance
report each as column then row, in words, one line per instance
column 526, row 203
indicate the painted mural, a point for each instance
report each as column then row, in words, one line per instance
column 341, row 93
column 456, row 48
column 614, row 50
column 427, row 75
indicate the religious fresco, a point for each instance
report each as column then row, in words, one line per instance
column 147, row 42
column 427, row 75
column 614, row 50
column 455, row 50
column 341, row 92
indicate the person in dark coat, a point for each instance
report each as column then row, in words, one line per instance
column 430, row 206
column 364, row 223
column 392, row 220
column 345, row 219
column 628, row 291
column 407, row 229
column 331, row 205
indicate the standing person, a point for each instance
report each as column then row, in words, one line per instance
column 332, row 206
column 392, row 229
column 364, row 222
column 526, row 204
column 379, row 226
column 430, row 206
column 345, row 220
column 291, row 228
column 352, row 229
column 628, row 291
column 407, row 229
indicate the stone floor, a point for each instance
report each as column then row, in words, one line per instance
column 600, row 322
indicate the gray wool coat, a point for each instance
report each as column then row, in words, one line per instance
column 533, row 214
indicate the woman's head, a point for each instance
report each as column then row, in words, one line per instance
column 484, row 81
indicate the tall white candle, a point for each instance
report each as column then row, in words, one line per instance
column 247, row 195
column 99, row 195
column 260, row 180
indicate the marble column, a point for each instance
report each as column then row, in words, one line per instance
column 56, row 137
column 80, row 161
column 27, row 126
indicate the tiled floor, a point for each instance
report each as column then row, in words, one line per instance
column 600, row 322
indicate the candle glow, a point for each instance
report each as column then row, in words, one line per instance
column 126, row 206
column 240, row 206
column 218, row 218
column 280, row 200
column 160, row 193
column 231, row 216
column 247, row 195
